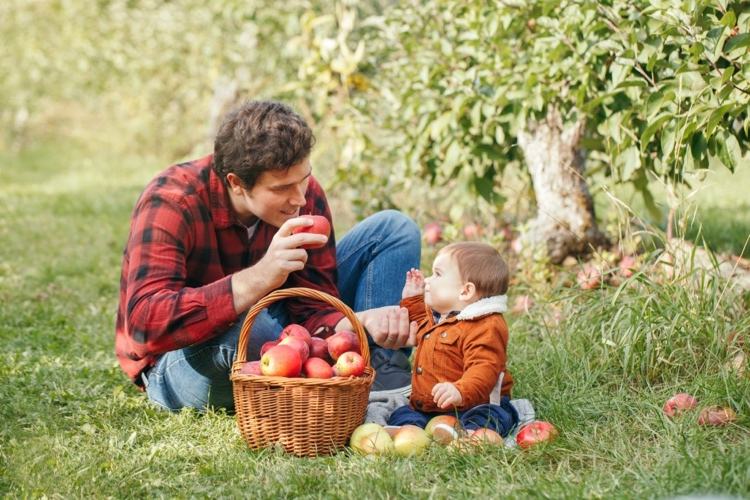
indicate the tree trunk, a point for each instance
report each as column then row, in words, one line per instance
column 565, row 223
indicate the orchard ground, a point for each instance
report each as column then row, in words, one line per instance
column 600, row 368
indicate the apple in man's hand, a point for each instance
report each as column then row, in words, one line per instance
column 535, row 433
column 320, row 225
column 281, row 361
column 350, row 364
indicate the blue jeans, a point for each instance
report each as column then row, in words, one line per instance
column 372, row 260
column 500, row 418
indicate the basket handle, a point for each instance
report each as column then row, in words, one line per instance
column 299, row 292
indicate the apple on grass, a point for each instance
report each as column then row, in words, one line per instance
column 320, row 225
column 410, row 440
column 716, row 415
column 535, row 433
column 317, row 368
column 341, row 342
column 350, row 364
column 443, row 428
column 590, row 277
column 484, row 435
column 251, row 368
column 627, row 266
column 298, row 345
column 281, row 361
column 371, row 439
column 433, row 233
column 679, row 403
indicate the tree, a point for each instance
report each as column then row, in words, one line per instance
column 628, row 88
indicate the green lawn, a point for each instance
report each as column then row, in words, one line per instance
column 73, row 426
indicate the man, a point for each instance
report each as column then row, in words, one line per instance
column 211, row 237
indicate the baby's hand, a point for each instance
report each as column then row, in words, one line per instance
column 446, row 395
column 414, row 283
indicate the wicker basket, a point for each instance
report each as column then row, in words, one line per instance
column 307, row 417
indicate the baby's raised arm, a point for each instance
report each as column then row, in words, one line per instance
column 414, row 283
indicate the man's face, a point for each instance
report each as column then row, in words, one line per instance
column 277, row 195
column 443, row 288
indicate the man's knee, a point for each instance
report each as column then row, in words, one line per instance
column 397, row 223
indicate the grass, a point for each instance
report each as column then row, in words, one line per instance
column 73, row 426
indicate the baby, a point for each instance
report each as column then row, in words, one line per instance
column 461, row 340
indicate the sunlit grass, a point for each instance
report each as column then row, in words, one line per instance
column 73, row 426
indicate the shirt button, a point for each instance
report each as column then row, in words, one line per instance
column 444, row 334
column 427, row 336
column 419, row 370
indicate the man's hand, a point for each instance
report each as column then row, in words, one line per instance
column 414, row 284
column 284, row 256
column 388, row 326
column 446, row 395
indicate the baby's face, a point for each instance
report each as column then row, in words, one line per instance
column 442, row 289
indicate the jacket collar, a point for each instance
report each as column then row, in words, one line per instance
column 497, row 304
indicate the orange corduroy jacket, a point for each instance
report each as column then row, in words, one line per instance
column 468, row 350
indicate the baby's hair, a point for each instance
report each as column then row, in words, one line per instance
column 481, row 264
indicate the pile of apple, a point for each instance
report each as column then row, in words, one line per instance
column 407, row 440
column 299, row 354
column 711, row 415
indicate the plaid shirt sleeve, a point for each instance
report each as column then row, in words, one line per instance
column 319, row 273
column 164, row 312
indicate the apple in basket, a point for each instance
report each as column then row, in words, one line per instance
column 298, row 345
column 251, row 368
column 267, row 345
column 320, row 225
column 350, row 364
column 298, row 331
column 341, row 342
column 319, row 349
column 317, row 368
column 281, row 361
column 535, row 433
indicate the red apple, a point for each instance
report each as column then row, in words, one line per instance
column 341, row 342
column 410, row 440
column 535, row 433
column 251, row 368
column 281, row 361
column 627, row 266
column 443, row 428
column 716, row 415
column 319, row 349
column 317, row 368
column 472, row 231
column 267, row 345
column 320, row 225
column 298, row 345
column 295, row 330
column 678, row 403
column 589, row 277
column 486, row 436
column 433, row 233
column 350, row 364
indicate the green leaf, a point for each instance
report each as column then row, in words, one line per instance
column 730, row 152
column 716, row 116
column 737, row 42
column 652, row 129
column 631, row 162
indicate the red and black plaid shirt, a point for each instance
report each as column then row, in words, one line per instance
column 185, row 243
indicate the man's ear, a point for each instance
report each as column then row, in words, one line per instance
column 234, row 182
column 468, row 292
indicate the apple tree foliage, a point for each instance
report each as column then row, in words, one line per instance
column 658, row 87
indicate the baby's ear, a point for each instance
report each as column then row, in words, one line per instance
column 468, row 292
